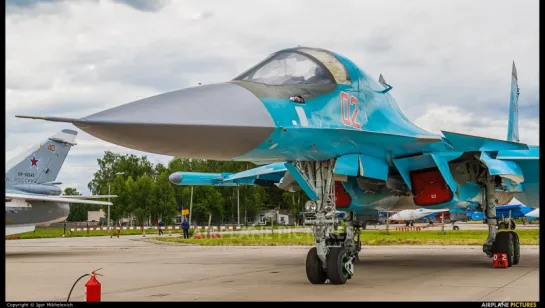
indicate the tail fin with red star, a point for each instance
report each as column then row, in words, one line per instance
column 41, row 163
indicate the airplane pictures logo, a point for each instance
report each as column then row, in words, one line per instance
column 509, row 304
column 33, row 162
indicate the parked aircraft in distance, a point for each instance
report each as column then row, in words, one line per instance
column 504, row 211
column 32, row 197
column 533, row 214
column 410, row 216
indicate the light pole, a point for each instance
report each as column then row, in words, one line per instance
column 191, row 205
column 387, row 222
column 119, row 173
column 238, row 206
column 443, row 223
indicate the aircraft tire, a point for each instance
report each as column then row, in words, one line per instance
column 336, row 260
column 315, row 270
column 455, row 228
column 504, row 243
column 516, row 246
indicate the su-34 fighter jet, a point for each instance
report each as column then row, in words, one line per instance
column 32, row 197
column 313, row 120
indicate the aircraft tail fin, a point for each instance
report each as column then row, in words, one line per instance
column 513, row 125
column 41, row 163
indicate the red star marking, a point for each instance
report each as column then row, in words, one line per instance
column 34, row 162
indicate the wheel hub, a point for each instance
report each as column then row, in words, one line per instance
column 348, row 266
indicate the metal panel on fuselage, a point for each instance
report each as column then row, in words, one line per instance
column 41, row 212
column 468, row 195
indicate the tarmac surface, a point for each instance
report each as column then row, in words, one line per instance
column 136, row 269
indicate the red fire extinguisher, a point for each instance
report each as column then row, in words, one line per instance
column 92, row 288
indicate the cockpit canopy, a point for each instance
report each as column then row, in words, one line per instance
column 300, row 66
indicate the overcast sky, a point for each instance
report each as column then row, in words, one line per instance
column 449, row 62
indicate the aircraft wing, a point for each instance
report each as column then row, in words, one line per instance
column 533, row 214
column 427, row 211
column 90, row 196
column 266, row 175
column 26, row 197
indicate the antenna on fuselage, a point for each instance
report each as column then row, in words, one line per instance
column 382, row 81
column 384, row 84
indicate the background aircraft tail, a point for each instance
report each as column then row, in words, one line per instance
column 42, row 162
column 513, row 125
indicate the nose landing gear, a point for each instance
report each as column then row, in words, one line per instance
column 334, row 255
column 340, row 251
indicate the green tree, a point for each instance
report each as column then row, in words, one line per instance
column 143, row 199
column 119, row 208
column 112, row 163
column 78, row 212
column 159, row 169
column 69, row 191
column 273, row 198
column 295, row 201
column 165, row 200
column 251, row 201
column 129, row 197
column 207, row 200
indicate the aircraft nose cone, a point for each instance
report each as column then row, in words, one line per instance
column 219, row 121
column 175, row 178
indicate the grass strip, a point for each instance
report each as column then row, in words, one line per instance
column 368, row 237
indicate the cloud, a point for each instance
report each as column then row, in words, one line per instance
column 449, row 62
column 455, row 119
column 27, row 3
column 146, row 5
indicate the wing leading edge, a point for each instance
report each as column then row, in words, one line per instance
column 266, row 175
column 89, row 197
column 54, row 199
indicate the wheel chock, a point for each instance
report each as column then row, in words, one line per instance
column 500, row 260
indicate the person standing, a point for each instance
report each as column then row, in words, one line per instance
column 161, row 225
column 185, row 228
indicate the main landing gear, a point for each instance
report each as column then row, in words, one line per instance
column 501, row 235
column 334, row 255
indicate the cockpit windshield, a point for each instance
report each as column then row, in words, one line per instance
column 334, row 66
column 289, row 68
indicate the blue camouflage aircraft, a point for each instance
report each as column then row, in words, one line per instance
column 510, row 210
column 313, row 120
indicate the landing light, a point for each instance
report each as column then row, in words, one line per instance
column 310, row 206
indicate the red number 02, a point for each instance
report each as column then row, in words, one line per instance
column 503, row 257
column 346, row 107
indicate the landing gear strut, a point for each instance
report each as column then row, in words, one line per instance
column 334, row 255
column 501, row 235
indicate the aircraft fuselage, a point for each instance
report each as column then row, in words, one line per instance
column 36, row 213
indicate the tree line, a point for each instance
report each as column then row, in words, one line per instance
column 146, row 195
